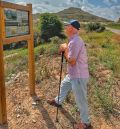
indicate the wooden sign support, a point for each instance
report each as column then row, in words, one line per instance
column 3, row 40
column 3, row 114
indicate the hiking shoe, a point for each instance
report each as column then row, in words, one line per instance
column 83, row 126
column 88, row 126
column 53, row 103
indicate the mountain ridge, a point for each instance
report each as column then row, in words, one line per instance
column 78, row 14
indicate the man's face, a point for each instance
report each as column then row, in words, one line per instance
column 68, row 29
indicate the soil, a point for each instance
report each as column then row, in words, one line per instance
column 25, row 112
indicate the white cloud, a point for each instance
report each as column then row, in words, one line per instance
column 110, row 2
column 112, row 13
column 22, row 3
column 41, row 6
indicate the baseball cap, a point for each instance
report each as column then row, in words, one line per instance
column 74, row 23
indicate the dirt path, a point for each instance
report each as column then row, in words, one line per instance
column 113, row 30
column 25, row 113
column 11, row 55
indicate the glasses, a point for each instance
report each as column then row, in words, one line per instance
column 66, row 26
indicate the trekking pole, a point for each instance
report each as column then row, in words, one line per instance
column 59, row 85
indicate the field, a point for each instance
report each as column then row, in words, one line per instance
column 103, row 89
column 114, row 25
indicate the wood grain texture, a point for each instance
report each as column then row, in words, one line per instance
column 3, row 112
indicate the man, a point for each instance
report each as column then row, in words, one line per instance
column 78, row 75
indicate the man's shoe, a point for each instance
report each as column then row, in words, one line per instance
column 53, row 103
column 83, row 126
column 88, row 126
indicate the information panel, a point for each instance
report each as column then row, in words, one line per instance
column 16, row 22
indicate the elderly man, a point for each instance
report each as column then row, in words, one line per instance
column 78, row 74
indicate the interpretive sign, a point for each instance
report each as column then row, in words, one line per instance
column 16, row 22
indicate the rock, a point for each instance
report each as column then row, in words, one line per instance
column 16, row 79
column 17, row 76
column 118, row 83
column 9, row 82
column 34, row 103
column 34, row 121
column 36, row 98
column 18, row 116
column 13, row 75
column 34, row 107
column 12, row 78
column 26, row 122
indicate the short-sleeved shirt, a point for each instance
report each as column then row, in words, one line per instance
column 77, row 50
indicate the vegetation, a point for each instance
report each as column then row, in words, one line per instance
column 103, row 52
column 104, row 60
column 49, row 26
column 95, row 27
column 103, row 57
column 17, row 59
column 114, row 25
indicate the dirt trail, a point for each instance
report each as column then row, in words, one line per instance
column 113, row 30
column 11, row 55
column 25, row 113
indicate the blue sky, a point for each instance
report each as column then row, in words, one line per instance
column 104, row 3
column 109, row 9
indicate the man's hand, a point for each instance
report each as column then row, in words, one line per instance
column 63, row 47
column 72, row 60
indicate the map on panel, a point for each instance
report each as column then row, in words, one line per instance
column 16, row 22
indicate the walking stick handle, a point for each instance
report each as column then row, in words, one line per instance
column 62, row 56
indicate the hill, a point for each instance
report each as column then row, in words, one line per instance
column 76, row 13
column 103, row 90
column 119, row 20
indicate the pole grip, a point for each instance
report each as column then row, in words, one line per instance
column 62, row 57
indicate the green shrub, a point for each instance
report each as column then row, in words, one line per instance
column 42, row 50
column 43, row 71
column 53, row 49
column 104, row 98
column 49, row 26
column 95, row 27
column 56, row 40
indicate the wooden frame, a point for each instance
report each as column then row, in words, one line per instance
column 3, row 40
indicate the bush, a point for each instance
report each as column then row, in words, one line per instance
column 104, row 98
column 53, row 49
column 49, row 26
column 95, row 27
column 43, row 71
column 56, row 40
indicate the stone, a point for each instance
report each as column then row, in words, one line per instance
column 18, row 116
column 34, row 121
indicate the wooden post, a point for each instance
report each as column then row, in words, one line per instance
column 31, row 54
column 30, row 39
column 3, row 112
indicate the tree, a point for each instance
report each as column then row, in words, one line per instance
column 49, row 26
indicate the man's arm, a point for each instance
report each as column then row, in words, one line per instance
column 72, row 60
column 64, row 48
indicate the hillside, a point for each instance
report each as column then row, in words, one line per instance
column 103, row 89
column 76, row 13
column 119, row 20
